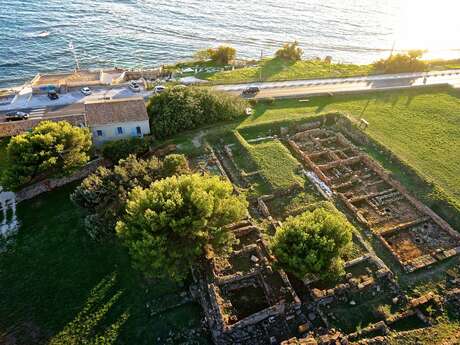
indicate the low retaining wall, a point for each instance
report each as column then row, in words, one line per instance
column 50, row 184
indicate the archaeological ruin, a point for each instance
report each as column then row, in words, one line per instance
column 248, row 300
column 412, row 232
column 245, row 298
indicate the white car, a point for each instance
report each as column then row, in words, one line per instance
column 86, row 91
column 159, row 89
column 134, row 86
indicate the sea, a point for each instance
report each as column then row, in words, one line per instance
column 50, row 35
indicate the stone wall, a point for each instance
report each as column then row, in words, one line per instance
column 52, row 183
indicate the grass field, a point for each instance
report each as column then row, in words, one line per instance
column 420, row 127
column 277, row 69
column 274, row 161
column 274, row 69
column 277, row 164
column 60, row 287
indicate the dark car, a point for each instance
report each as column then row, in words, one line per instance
column 252, row 90
column 16, row 116
column 53, row 95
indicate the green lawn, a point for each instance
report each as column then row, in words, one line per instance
column 274, row 161
column 420, row 127
column 274, row 69
column 60, row 287
column 277, row 69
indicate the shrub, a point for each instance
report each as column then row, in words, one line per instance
column 180, row 109
column 398, row 63
column 221, row 55
column 268, row 100
column 168, row 226
column 383, row 311
column 175, row 164
column 119, row 149
column 50, row 149
column 313, row 243
column 104, row 193
column 253, row 102
column 290, row 52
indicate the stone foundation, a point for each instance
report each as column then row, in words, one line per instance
column 412, row 232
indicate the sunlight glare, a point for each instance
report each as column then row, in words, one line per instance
column 431, row 25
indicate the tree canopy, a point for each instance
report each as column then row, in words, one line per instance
column 104, row 193
column 180, row 109
column 119, row 149
column 50, row 149
column 397, row 63
column 313, row 243
column 168, row 225
column 290, row 52
column 222, row 55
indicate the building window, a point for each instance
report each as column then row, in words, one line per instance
column 138, row 130
column 99, row 133
column 119, row 130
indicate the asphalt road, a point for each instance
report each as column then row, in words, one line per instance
column 299, row 88
column 50, row 112
column 72, row 104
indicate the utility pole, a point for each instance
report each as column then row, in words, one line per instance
column 392, row 49
column 260, row 69
column 72, row 49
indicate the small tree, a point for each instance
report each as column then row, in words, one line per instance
column 290, row 52
column 180, row 109
column 120, row 149
column 398, row 63
column 168, row 225
column 221, row 55
column 313, row 243
column 175, row 164
column 104, row 193
column 50, row 149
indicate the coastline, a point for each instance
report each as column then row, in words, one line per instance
column 252, row 70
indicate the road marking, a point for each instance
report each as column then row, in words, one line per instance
column 37, row 113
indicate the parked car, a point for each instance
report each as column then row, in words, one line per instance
column 251, row 90
column 159, row 89
column 86, row 91
column 52, row 94
column 16, row 116
column 134, row 86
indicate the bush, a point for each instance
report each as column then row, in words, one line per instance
column 253, row 102
column 181, row 109
column 120, row 149
column 399, row 63
column 51, row 149
column 290, row 52
column 268, row 100
column 221, row 55
column 175, row 164
column 313, row 243
column 104, row 193
column 168, row 226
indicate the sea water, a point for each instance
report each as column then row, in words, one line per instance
column 35, row 34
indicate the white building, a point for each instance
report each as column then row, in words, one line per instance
column 116, row 119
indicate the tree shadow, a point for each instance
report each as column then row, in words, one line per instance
column 270, row 67
column 59, row 286
column 87, row 326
